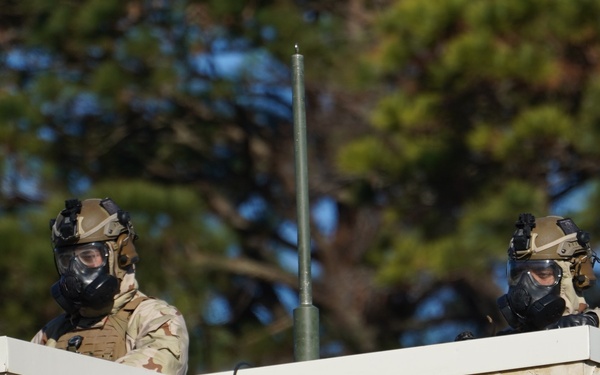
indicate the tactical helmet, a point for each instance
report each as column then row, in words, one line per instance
column 554, row 238
column 94, row 220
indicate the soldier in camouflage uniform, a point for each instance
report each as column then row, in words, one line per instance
column 550, row 265
column 106, row 316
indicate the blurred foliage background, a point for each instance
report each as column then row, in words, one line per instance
column 431, row 124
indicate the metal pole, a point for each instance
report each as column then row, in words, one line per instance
column 306, row 316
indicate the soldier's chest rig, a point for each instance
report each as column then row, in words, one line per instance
column 107, row 341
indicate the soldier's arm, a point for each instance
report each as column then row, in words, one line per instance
column 157, row 339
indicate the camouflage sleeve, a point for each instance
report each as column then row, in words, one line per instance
column 157, row 339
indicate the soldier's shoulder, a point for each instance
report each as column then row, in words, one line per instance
column 155, row 314
column 156, row 306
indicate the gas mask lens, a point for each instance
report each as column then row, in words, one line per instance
column 543, row 273
column 91, row 255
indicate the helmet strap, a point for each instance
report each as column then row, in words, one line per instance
column 126, row 253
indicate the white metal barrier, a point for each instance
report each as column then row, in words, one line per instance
column 560, row 351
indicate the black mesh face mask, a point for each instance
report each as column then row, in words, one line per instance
column 85, row 280
column 533, row 297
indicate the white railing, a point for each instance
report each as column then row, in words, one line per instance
column 566, row 351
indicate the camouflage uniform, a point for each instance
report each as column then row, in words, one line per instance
column 106, row 316
column 575, row 301
column 156, row 336
column 550, row 265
